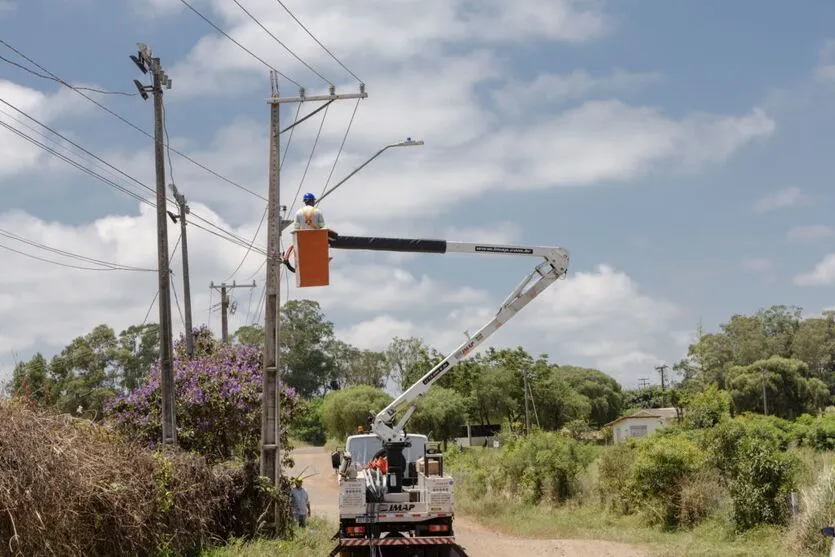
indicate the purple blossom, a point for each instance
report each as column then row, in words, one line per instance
column 218, row 400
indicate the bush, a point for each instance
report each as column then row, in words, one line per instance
column 309, row 426
column 707, row 408
column 659, row 471
column 761, row 486
column 542, row 467
column 218, row 402
column 615, row 472
column 71, row 487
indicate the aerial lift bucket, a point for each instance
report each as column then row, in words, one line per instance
column 312, row 259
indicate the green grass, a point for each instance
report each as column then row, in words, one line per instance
column 313, row 540
column 712, row 538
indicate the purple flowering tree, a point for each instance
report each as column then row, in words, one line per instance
column 218, row 400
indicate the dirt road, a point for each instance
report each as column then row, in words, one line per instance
column 477, row 540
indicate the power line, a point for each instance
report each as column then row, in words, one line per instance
column 341, row 146
column 68, row 265
column 173, row 254
column 50, row 78
column 229, row 236
column 45, row 247
column 77, row 165
column 312, row 36
column 245, row 49
column 309, row 159
column 177, row 301
column 280, row 166
column 276, row 39
column 131, row 124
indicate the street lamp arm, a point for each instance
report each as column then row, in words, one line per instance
column 407, row 143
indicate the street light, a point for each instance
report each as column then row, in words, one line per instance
column 409, row 142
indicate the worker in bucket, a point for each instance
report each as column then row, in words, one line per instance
column 310, row 217
column 300, row 503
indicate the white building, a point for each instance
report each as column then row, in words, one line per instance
column 642, row 423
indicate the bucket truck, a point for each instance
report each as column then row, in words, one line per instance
column 405, row 507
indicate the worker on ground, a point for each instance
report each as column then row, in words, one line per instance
column 299, row 503
column 310, row 217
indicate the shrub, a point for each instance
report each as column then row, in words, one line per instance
column 71, row 487
column 707, row 408
column 542, row 467
column 761, row 486
column 659, row 471
column 218, row 400
column 309, row 426
column 701, row 494
column 615, row 472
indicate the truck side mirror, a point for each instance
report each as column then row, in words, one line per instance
column 335, row 459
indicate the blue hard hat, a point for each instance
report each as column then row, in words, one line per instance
column 309, row 197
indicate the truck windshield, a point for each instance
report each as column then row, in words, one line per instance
column 362, row 449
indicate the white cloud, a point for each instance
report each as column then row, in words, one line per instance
column 823, row 274
column 381, row 32
column 516, row 96
column 598, row 318
column 756, row 264
column 811, row 232
column 781, row 199
column 592, row 318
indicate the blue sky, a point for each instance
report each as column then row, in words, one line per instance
column 680, row 151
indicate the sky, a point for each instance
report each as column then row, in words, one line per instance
column 680, row 151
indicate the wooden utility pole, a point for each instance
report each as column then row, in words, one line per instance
column 145, row 62
column 271, row 401
column 662, row 370
column 184, row 210
column 224, row 305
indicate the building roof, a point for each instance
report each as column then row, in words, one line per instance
column 662, row 413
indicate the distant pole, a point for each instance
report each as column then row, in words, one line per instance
column 144, row 61
column 224, row 304
column 224, row 314
column 184, row 210
column 643, row 383
column 661, row 370
column 527, row 413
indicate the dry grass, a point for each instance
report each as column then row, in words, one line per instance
column 70, row 487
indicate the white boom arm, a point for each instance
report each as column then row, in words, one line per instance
column 553, row 268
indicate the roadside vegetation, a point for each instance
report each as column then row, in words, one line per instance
column 718, row 481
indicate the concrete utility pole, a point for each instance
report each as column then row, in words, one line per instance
column 184, row 210
column 145, row 61
column 224, row 305
column 271, row 401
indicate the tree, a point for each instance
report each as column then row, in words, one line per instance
column 441, row 413
column 603, row 392
column 706, row 409
column 345, row 410
column 305, row 336
column 814, row 343
column 789, row 390
column 409, row 359
column 136, row 352
column 353, row 366
column 250, row 334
